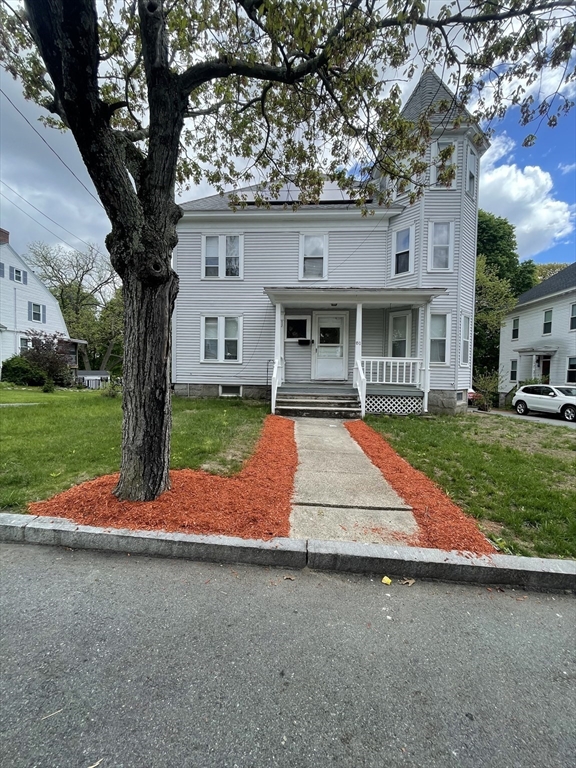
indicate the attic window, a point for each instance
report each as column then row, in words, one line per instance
column 17, row 275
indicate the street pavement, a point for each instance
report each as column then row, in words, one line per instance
column 553, row 419
column 133, row 662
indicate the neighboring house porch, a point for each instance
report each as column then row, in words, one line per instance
column 367, row 347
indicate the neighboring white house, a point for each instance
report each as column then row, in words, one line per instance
column 325, row 301
column 25, row 304
column 538, row 338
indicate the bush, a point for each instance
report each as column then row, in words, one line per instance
column 487, row 385
column 48, row 386
column 45, row 353
column 20, row 370
column 111, row 389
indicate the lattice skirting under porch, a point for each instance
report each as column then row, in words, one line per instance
column 398, row 404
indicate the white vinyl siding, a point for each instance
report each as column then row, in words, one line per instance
column 222, row 257
column 313, row 256
column 441, row 246
column 221, row 339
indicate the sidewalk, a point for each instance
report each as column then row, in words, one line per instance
column 339, row 495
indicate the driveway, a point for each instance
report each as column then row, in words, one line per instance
column 540, row 418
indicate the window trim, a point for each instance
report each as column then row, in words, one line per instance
column 313, row 233
column 221, row 325
column 544, row 321
column 433, row 167
column 513, row 370
column 517, row 329
column 18, row 276
column 401, row 313
column 450, row 267
column 296, row 317
column 222, row 257
column 463, row 339
column 393, row 274
column 32, row 311
column 474, row 192
column 448, row 316
column 572, row 318
column 568, row 369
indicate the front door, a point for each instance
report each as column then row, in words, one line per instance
column 546, row 370
column 330, row 350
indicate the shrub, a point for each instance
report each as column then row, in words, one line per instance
column 111, row 389
column 45, row 353
column 21, row 370
column 48, row 386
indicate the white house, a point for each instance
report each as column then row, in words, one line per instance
column 25, row 304
column 538, row 338
column 322, row 303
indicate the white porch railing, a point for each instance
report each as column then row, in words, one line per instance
column 359, row 381
column 277, row 380
column 392, row 370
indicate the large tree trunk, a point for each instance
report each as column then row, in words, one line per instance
column 146, row 388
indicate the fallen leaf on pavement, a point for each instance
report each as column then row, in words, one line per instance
column 408, row 582
column 386, row 580
column 96, row 764
column 289, row 578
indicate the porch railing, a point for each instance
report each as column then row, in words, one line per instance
column 359, row 381
column 392, row 370
column 277, row 380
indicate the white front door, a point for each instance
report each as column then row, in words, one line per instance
column 330, row 350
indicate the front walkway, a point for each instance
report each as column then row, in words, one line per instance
column 339, row 494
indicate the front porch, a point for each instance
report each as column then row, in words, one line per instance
column 365, row 349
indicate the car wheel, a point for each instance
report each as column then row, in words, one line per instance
column 521, row 408
column 569, row 413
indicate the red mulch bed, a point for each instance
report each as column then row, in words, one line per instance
column 255, row 504
column 442, row 523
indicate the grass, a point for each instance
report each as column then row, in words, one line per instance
column 74, row 435
column 517, row 479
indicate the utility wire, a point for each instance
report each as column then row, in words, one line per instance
column 46, row 215
column 50, row 148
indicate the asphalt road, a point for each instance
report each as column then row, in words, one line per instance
column 132, row 662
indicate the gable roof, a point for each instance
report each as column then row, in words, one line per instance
column 561, row 281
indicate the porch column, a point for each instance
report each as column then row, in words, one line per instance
column 278, row 333
column 358, row 345
column 426, row 358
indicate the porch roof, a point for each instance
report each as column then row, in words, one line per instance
column 348, row 297
column 537, row 350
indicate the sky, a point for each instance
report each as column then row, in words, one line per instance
column 534, row 188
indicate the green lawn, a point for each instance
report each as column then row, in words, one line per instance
column 517, row 478
column 74, row 435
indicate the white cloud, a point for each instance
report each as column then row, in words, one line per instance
column 525, row 197
column 567, row 168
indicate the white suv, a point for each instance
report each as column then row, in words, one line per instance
column 542, row 397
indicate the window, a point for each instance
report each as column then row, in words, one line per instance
column 513, row 370
column 515, row 328
column 571, row 372
column 547, row 326
column 19, row 275
column 36, row 312
column 472, row 173
column 1, row 269
column 222, row 256
column 24, row 344
column 573, row 318
column 313, row 261
column 403, row 241
column 297, row 328
column 465, row 354
column 439, row 325
column 437, row 148
column 230, row 390
column 400, row 334
column 440, row 248
column 221, row 339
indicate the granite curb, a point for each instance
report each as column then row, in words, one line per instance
column 415, row 562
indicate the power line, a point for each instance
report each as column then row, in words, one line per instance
column 45, row 214
column 39, row 223
column 50, row 148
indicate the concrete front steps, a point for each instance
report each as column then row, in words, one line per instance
column 327, row 405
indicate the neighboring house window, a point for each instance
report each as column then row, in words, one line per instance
column 573, row 318
column 313, row 257
column 466, row 327
column 19, row 275
column 221, row 339
column 222, row 256
column 400, row 334
column 439, row 325
column 472, row 173
column 1, row 269
column 440, row 251
column 403, row 251
column 24, row 343
column 36, row 312
column 515, row 328
column 571, row 372
column 437, row 148
column 547, row 326
column 297, row 328
column 513, row 370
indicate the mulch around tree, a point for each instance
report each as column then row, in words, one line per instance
column 441, row 522
column 254, row 504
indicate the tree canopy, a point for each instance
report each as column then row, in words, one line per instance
column 497, row 243
column 494, row 299
column 159, row 92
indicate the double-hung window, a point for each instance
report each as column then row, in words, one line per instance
column 18, row 275
column 571, row 372
column 547, row 324
column 573, row 317
column 36, row 312
column 222, row 256
column 403, row 252
column 25, row 344
column 440, row 148
column 439, row 345
column 515, row 328
column 465, row 348
column 313, row 256
column 221, row 339
column 441, row 246
column 513, row 370
column 471, row 173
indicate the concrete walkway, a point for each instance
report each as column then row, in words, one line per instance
column 339, row 494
